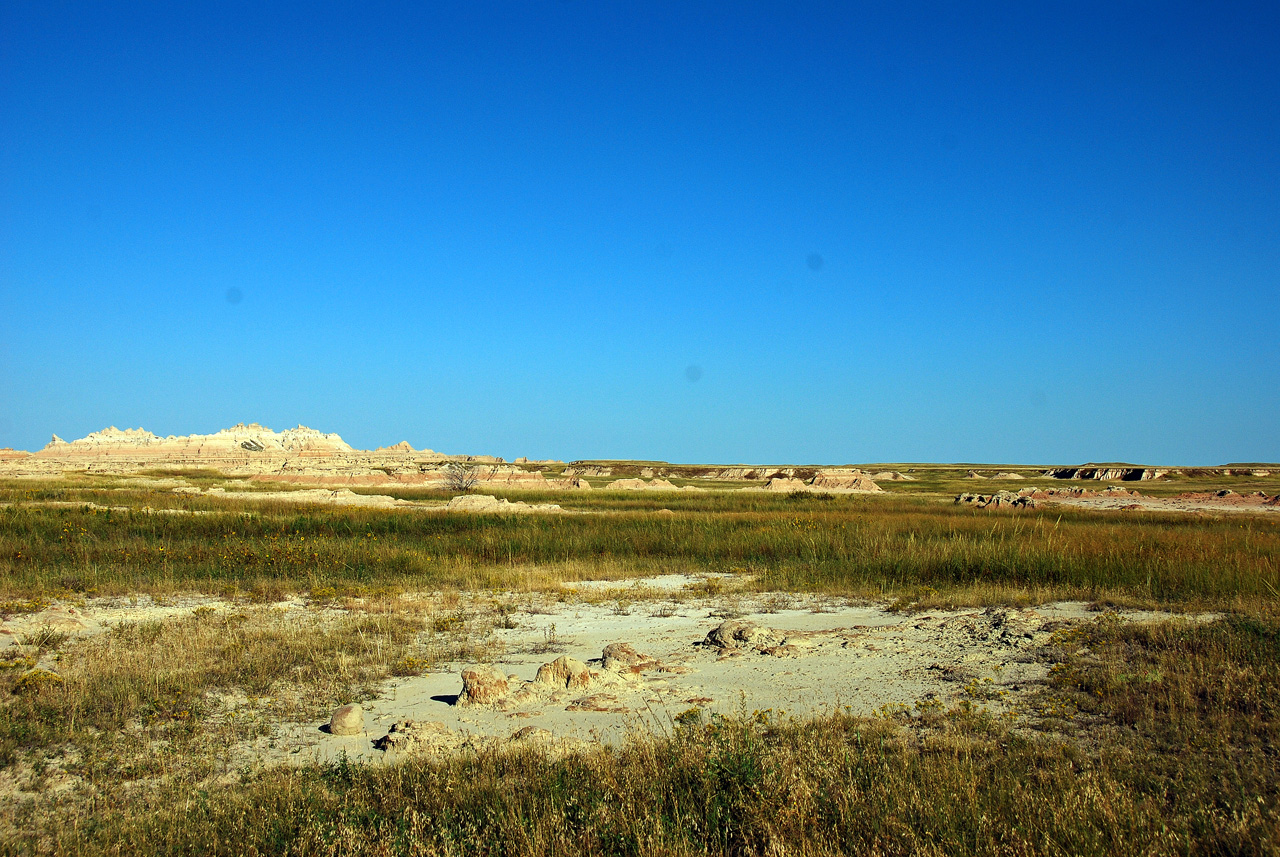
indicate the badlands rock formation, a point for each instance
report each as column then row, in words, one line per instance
column 489, row 503
column 835, row 480
column 297, row 455
column 1106, row 473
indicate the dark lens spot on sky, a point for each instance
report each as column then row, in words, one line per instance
column 815, row 261
column 234, row 295
column 693, row 372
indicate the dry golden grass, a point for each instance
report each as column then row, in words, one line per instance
column 1165, row 744
column 854, row 546
column 1148, row 740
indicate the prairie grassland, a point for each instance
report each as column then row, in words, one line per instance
column 1163, row 741
column 880, row 547
column 1145, row 739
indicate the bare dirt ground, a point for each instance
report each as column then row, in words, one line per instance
column 691, row 649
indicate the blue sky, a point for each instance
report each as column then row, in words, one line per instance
column 693, row 232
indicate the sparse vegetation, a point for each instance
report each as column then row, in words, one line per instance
column 1146, row 739
column 1182, row 762
column 460, row 477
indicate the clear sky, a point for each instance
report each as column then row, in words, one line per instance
column 1022, row 232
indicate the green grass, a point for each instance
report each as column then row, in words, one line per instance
column 1145, row 740
column 845, row 545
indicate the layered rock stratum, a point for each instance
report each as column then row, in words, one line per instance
column 306, row 456
column 297, row 455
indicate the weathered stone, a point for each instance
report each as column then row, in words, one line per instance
column 419, row 736
column 564, row 671
column 484, row 685
column 734, row 633
column 488, row 503
column 853, row 480
column 623, row 657
column 347, row 720
column 605, row 702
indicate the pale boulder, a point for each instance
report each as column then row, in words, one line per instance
column 347, row 720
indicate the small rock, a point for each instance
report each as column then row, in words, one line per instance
column 623, row 657
column 482, row 686
column 734, row 633
column 569, row 673
column 602, row 702
column 418, row 736
column 347, row 720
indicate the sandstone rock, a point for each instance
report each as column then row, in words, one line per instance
column 627, row 485
column 1008, row 476
column 401, row 447
column 783, row 651
column 604, row 702
column 623, row 657
column 407, row 736
column 569, row 673
column 474, row 503
column 489, row 503
column 785, row 485
column 841, row 479
column 735, row 633
column 483, row 685
column 1024, row 499
column 587, row 470
column 1107, row 473
column 892, row 476
column 347, row 720
column 973, row 474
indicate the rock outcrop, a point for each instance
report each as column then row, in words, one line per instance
column 623, row 658
column 829, row 481
column 564, row 672
column 1107, row 473
column 485, row 685
column 491, row 504
column 999, row 500
column 840, row 479
column 298, row 456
